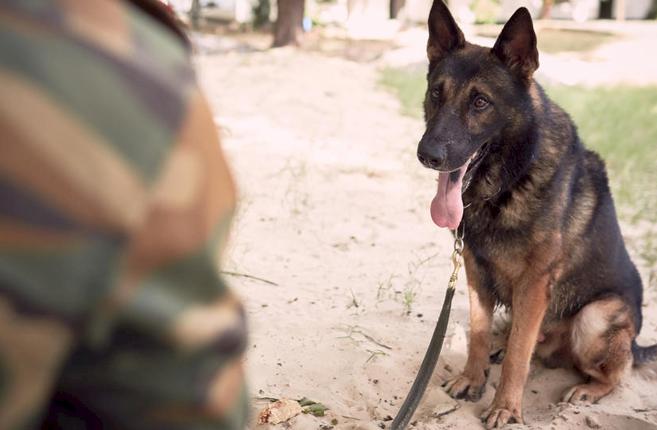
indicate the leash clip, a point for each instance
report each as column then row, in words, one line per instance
column 458, row 245
column 457, row 255
column 456, row 262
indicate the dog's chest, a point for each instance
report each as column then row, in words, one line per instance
column 512, row 260
column 502, row 268
column 504, row 257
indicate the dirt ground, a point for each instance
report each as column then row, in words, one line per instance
column 334, row 214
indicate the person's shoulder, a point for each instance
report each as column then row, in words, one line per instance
column 100, row 92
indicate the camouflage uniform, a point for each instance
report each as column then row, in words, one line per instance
column 115, row 201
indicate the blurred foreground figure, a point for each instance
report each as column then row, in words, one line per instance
column 114, row 204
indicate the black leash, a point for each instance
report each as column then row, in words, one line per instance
column 433, row 351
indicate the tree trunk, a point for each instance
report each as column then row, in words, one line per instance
column 546, row 10
column 620, row 10
column 395, row 7
column 288, row 27
column 195, row 13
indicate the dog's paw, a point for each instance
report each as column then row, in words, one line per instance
column 499, row 416
column 583, row 393
column 464, row 387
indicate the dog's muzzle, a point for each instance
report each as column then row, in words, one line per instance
column 433, row 160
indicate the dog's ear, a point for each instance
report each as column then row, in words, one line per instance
column 516, row 44
column 444, row 35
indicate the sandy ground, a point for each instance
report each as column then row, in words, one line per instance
column 334, row 211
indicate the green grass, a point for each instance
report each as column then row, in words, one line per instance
column 409, row 87
column 619, row 123
column 553, row 41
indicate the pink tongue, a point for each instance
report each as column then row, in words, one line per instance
column 447, row 206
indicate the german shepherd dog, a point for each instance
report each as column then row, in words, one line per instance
column 541, row 234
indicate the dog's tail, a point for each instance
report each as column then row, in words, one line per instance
column 645, row 359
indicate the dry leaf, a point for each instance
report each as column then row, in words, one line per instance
column 279, row 411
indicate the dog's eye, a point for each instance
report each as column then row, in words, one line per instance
column 480, row 103
column 435, row 94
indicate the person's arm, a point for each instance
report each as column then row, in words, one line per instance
column 174, row 356
column 132, row 326
column 115, row 201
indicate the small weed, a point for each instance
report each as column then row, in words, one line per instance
column 385, row 288
column 353, row 330
column 295, row 197
column 408, row 298
column 374, row 354
column 354, row 301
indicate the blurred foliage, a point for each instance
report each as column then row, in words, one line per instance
column 485, row 11
column 620, row 123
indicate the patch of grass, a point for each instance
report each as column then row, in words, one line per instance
column 554, row 41
column 648, row 253
column 486, row 11
column 619, row 123
column 409, row 86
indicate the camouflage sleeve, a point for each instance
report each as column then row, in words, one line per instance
column 115, row 202
column 163, row 347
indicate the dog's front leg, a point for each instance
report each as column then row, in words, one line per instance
column 529, row 303
column 470, row 384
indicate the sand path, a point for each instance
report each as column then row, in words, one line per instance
column 334, row 210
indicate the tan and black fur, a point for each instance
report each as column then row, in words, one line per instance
column 541, row 234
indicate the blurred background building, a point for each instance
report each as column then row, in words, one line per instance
column 381, row 16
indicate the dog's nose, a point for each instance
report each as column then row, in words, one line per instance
column 432, row 160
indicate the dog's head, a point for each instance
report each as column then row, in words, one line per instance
column 474, row 95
